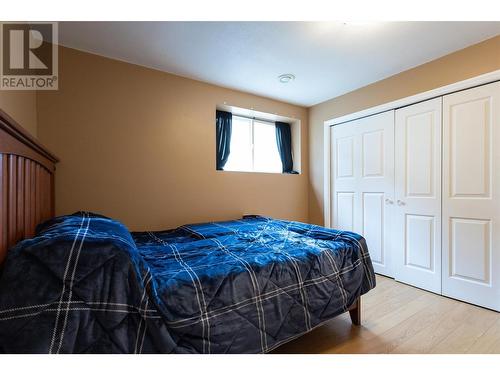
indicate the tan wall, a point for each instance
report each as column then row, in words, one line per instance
column 139, row 145
column 469, row 62
column 21, row 106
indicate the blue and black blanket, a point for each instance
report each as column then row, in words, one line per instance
column 85, row 284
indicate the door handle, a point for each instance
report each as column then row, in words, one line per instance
column 401, row 203
column 389, row 201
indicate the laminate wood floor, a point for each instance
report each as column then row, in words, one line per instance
column 398, row 318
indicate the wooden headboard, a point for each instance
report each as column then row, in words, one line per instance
column 26, row 184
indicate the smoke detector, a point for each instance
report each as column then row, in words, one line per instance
column 286, row 78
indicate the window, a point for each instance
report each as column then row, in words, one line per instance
column 253, row 147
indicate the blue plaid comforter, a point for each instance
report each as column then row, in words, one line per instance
column 85, row 284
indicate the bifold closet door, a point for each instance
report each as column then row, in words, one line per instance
column 471, row 195
column 362, row 160
column 417, row 209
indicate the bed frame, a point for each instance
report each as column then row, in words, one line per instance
column 355, row 312
column 26, row 184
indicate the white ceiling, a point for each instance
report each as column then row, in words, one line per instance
column 328, row 58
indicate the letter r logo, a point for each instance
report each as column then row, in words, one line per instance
column 27, row 49
column 29, row 56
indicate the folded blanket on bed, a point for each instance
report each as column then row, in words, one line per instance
column 84, row 284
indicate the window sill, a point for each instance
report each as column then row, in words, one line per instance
column 259, row 172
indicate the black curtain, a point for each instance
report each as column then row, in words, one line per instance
column 284, row 140
column 223, row 123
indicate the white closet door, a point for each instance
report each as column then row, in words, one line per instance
column 471, row 195
column 417, row 212
column 344, row 174
column 363, row 183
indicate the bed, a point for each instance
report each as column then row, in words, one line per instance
column 83, row 283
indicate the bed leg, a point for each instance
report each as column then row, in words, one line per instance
column 355, row 312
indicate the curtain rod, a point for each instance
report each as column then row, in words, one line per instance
column 257, row 118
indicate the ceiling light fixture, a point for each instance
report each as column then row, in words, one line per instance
column 286, row 78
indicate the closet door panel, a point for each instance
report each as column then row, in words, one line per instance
column 363, row 183
column 345, row 211
column 345, row 164
column 470, row 249
column 373, row 226
column 345, row 157
column 376, row 187
column 417, row 213
column 471, row 195
column 373, row 153
column 420, row 249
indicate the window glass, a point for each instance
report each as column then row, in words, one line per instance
column 266, row 155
